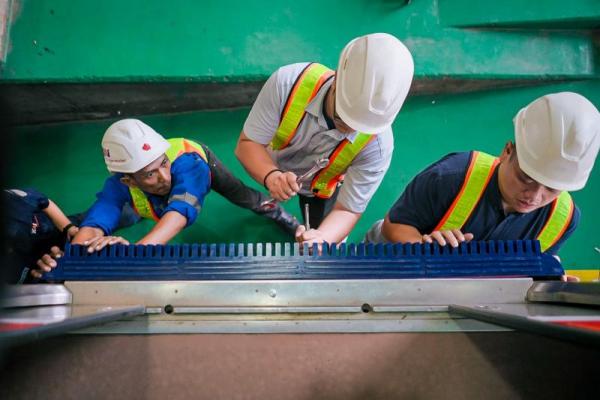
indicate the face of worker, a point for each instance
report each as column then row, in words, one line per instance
column 337, row 121
column 520, row 193
column 155, row 178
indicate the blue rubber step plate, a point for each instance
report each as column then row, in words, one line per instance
column 289, row 261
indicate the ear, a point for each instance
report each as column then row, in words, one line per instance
column 129, row 181
column 507, row 151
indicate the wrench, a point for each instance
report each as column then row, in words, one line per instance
column 319, row 164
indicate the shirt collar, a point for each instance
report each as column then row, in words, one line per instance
column 315, row 108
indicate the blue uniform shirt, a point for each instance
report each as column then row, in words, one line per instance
column 190, row 183
column 429, row 195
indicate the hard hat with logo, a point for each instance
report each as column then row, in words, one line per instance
column 557, row 138
column 373, row 78
column 129, row 145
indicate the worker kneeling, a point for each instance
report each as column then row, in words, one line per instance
column 164, row 180
column 523, row 194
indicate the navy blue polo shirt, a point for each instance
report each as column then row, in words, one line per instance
column 429, row 195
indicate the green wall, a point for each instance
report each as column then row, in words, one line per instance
column 549, row 13
column 236, row 40
column 65, row 161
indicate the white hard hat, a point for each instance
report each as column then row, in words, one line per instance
column 129, row 145
column 373, row 78
column 557, row 138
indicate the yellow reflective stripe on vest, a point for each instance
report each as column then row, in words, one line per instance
column 179, row 146
column 558, row 221
column 306, row 87
column 478, row 175
column 142, row 205
column 324, row 183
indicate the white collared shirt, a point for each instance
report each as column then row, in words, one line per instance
column 314, row 140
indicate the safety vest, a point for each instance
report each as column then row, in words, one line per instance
column 306, row 87
column 479, row 173
column 141, row 203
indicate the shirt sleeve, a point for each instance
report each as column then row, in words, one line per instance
column 427, row 197
column 570, row 229
column 366, row 172
column 36, row 199
column 263, row 119
column 190, row 176
column 106, row 211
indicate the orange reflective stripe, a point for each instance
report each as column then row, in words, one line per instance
column 558, row 221
column 479, row 173
column 325, row 182
column 189, row 146
column 180, row 146
column 304, row 90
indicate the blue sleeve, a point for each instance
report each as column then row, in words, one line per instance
column 570, row 229
column 190, row 177
column 106, row 211
column 428, row 196
column 36, row 199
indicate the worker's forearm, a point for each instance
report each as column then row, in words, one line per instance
column 400, row 233
column 338, row 224
column 86, row 233
column 58, row 218
column 169, row 225
column 254, row 157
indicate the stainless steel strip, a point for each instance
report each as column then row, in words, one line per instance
column 263, row 310
column 303, row 293
column 144, row 325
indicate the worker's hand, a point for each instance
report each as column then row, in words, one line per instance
column 452, row 237
column 309, row 237
column 99, row 242
column 282, row 185
column 46, row 262
column 72, row 232
column 569, row 278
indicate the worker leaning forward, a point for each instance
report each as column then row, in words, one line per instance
column 523, row 194
column 163, row 180
column 306, row 112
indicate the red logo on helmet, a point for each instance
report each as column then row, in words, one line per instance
column 146, row 147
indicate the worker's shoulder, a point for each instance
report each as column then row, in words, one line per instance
column 380, row 146
column 450, row 166
column 189, row 163
column 288, row 74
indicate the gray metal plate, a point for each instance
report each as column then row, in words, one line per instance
column 26, row 324
column 565, row 292
column 34, row 295
column 545, row 319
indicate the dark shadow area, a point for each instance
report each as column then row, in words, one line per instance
column 39, row 103
column 302, row 366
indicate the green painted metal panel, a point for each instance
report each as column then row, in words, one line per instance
column 65, row 161
column 573, row 13
column 235, row 40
